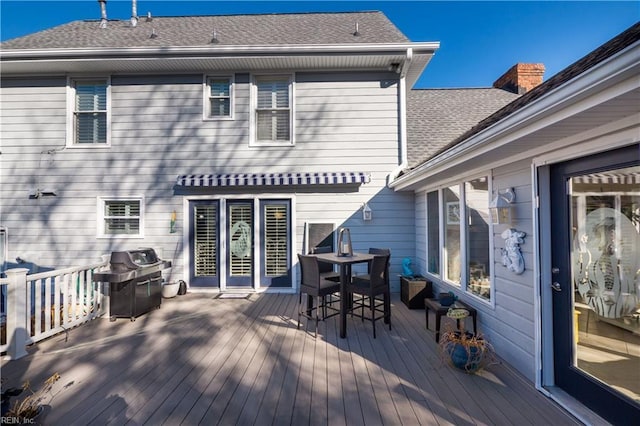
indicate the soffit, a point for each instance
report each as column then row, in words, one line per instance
column 189, row 64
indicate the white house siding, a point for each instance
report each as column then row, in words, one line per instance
column 343, row 122
column 509, row 323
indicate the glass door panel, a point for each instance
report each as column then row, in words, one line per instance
column 240, row 243
column 276, row 260
column 595, row 228
column 203, row 238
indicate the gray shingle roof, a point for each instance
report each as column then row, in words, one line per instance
column 435, row 117
column 607, row 50
column 241, row 30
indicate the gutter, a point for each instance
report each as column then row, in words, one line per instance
column 287, row 50
column 621, row 66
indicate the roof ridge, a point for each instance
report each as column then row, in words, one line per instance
column 235, row 15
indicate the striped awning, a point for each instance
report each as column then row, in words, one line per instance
column 274, row 179
column 631, row 178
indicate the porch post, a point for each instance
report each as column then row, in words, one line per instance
column 105, row 301
column 17, row 315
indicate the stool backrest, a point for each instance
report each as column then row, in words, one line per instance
column 324, row 266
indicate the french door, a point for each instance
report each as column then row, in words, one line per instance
column 204, row 243
column 239, row 253
column 240, row 243
column 595, row 228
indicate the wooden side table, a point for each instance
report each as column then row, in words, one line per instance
column 439, row 310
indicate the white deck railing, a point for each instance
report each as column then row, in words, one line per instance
column 41, row 305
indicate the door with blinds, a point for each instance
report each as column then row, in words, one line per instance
column 239, row 253
column 240, row 243
column 275, row 237
column 204, row 243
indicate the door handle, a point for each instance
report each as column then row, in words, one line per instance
column 556, row 286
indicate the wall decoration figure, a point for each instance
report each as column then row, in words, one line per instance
column 511, row 254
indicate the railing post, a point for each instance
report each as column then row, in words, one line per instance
column 105, row 306
column 17, row 315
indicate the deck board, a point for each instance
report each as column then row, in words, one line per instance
column 200, row 360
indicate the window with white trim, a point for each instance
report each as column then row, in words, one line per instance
column 459, row 236
column 272, row 118
column 89, row 120
column 218, row 99
column 120, row 217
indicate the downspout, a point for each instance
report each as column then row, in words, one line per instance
column 402, row 103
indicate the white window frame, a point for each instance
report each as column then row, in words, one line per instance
column 464, row 276
column 101, row 203
column 206, row 97
column 71, row 102
column 253, row 132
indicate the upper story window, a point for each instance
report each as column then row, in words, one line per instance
column 218, row 98
column 120, row 217
column 89, row 112
column 459, row 247
column 272, row 121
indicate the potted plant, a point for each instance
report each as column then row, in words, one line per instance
column 464, row 350
column 27, row 409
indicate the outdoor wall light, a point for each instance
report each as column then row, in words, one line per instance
column 366, row 212
column 40, row 193
column 501, row 207
column 172, row 224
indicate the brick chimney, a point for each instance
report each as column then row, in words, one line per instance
column 521, row 78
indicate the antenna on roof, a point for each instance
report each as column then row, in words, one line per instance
column 103, row 13
column 214, row 39
column 356, row 32
column 149, row 18
column 134, row 13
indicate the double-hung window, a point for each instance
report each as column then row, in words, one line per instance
column 272, row 120
column 89, row 120
column 120, row 217
column 459, row 243
column 218, row 97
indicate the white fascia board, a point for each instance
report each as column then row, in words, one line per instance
column 582, row 92
column 287, row 49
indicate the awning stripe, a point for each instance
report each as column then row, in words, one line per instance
column 274, row 179
column 609, row 178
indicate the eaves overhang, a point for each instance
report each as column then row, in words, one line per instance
column 188, row 59
column 597, row 96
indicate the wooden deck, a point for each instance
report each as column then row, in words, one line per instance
column 200, row 360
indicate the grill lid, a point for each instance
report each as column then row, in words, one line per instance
column 130, row 260
column 132, row 264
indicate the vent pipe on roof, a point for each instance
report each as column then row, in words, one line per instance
column 134, row 13
column 103, row 13
column 149, row 18
column 214, row 39
column 356, row 32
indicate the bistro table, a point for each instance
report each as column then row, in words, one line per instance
column 345, row 263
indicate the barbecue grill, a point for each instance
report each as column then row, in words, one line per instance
column 135, row 282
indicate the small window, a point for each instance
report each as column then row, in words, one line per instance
column 272, row 116
column 218, row 101
column 89, row 121
column 120, row 217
